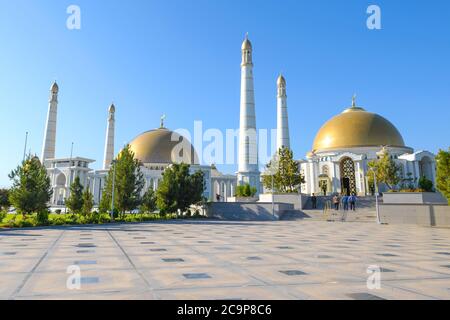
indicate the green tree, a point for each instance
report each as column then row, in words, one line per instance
column 246, row 191
column 129, row 182
column 387, row 171
column 31, row 190
column 426, row 184
column 285, row 171
column 148, row 204
column 4, row 199
column 75, row 200
column 196, row 188
column 443, row 173
column 88, row 202
column 179, row 189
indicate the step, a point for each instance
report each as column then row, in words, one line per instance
column 318, row 215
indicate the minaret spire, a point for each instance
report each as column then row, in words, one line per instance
column 248, row 171
column 49, row 145
column 283, row 139
column 109, row 142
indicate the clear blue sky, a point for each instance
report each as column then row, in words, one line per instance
column 182, row 58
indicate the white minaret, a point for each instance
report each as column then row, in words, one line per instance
column 109, row 142
column 248, row 171
column 282, row 115
column 48, row 149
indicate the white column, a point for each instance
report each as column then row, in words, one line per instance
column 109, row 142
column 283, row 139
column 248, row 171
column 48, row 148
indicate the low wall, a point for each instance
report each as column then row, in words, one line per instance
column 414, row 198
column 418, row 214
column 295, row 199
column 241, row 211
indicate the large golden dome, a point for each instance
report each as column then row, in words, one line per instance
column 354, row 128
column 163, row 146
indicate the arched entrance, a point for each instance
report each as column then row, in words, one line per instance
column 60, row 193
column 325, row 184
column 426, row 168
column 348, row 181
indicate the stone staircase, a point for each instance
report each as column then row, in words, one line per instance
column 365, row 212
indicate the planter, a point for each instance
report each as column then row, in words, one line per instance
column 413, row 198
column 243, row 200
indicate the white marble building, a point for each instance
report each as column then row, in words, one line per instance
column 156, row 149
column 338, row 161
column 345, row 145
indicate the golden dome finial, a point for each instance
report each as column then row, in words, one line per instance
column 281, row 80
column 112, row 108
column 246, row 45
column 54, row 88
column 354, row 101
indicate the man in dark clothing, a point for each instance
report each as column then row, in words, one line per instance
column 352, row 202
column 314, row 201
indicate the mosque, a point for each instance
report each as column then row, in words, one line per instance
column 337, row 163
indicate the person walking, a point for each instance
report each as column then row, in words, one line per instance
column 314, row 201
column 352, row 200
column 336, row 202
column 345, row 202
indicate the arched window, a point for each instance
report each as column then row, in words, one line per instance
column 61, row 180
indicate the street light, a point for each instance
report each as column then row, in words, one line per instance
column 272, row 171
column 113, row 189
column 376, row 194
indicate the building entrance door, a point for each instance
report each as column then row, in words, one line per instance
column 348, row 181
column 345, row 186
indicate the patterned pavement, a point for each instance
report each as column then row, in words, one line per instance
column 226, row 260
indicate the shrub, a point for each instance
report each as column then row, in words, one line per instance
column 58, row 211
column 3, row 215
column 245, row 191
column 425, row 184
column 42, row 218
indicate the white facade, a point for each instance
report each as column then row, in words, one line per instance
column 62, row 173
column 328, row 168
column 248, row 168
column 152, row 173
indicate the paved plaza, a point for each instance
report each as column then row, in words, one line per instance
column 226, row 260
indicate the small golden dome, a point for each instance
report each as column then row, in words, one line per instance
column 356, row 127
column 112, row 108
column 281, row 81
column 163, row 146
column 246, row 45
column 54, row 88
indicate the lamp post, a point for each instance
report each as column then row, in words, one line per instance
column 273, row 200
column 376, row 194
column 272, row 171
column 113, row 189
column 25, row 148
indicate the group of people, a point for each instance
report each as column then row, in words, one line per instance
column 347, row 202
